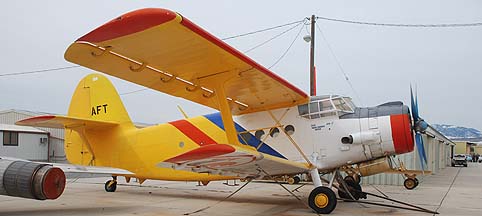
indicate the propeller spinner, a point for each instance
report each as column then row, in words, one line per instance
column 419, row 127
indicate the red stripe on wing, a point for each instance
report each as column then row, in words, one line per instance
column 193, row 132
column 202, row 152
column 129, row 23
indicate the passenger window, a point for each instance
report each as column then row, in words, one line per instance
column 259, row 134
column 274, row 132
column 290, row 129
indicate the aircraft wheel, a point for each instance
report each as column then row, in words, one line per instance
column 110, row 186
column 322, row 200
column 297, row 179
column 410, row 184
column 353, row 187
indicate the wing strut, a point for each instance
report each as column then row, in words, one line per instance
column 225, row 109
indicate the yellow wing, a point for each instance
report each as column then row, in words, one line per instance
column 164, row 51
column 230, row 160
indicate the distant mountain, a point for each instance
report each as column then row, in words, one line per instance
column 459, row 133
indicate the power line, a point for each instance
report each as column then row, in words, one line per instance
column 272, row 38
column 286, row 51
column 338, row 63
column 38, row 71
column 442, row 25
column 262, row 30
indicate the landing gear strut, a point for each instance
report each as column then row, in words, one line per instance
column 353, row 187
column 111, row 185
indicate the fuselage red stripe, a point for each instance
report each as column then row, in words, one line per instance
column 193, row 132
column 401, row 133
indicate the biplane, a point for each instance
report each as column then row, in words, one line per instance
column 265, row 128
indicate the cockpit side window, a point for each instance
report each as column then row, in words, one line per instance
column 303, row 109
column 314, row 107
column 340, row 104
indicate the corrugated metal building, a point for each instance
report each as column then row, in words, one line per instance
column 439, row 150
column 55, row 136
column 24, row 142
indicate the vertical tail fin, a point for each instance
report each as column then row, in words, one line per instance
column 96, row 98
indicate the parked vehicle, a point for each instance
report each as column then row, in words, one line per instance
column 459, row 159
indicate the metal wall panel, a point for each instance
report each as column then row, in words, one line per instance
column 29, row 147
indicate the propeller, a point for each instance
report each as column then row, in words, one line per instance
column 419, row 127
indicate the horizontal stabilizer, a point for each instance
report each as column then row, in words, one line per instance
column 71, row 168
column 53, row 121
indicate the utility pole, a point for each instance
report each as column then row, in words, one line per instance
column 312, row 58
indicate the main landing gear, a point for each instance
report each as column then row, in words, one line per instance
column 353, row 187
column 323, row 200
column 111, row 185
column 410, row 183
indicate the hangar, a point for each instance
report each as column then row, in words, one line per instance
column 29, row 138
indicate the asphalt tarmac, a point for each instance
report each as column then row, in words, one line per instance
column 453, row 191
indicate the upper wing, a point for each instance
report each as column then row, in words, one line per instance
column 164, row 51
column 53, row 121
column 232, row 160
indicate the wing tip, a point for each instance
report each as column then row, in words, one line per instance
column 129, row 23
column 33, row 120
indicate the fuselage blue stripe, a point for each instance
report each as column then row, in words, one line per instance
column 252, row 141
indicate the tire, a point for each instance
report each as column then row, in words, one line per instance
column 296, row 179
column 410, row 184
column 465, row 165
column 110, row 186
column 353, row 187
column 322, row 200
column 416, row 182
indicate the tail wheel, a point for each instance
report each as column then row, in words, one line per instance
column 110, row 186
column 322, row 200
column 410, row 184
column 353, row 187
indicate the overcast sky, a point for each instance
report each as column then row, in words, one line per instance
column 381, row 62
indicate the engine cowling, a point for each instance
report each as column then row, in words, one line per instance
column 30, row 180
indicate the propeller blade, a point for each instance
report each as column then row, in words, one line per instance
column 421, row 149
column 414, row 106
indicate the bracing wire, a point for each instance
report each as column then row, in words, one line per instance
column 261, row 30
column 272, row 38
column 286, row 51
column 338, row 63
column 38, row 71
column 443, row 25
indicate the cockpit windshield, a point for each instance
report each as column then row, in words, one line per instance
column 321, row 106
